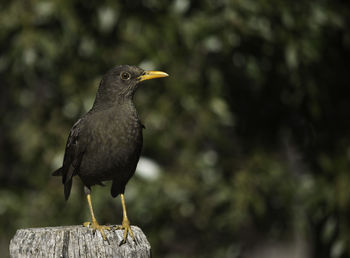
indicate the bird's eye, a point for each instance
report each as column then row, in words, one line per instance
column 125, row 76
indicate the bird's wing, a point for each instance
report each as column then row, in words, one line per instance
column 72, row 157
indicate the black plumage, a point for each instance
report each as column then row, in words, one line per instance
column 105, row 144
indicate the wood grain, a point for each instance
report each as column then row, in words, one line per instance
column 77, row 241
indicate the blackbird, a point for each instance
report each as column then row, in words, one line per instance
column 105, row 143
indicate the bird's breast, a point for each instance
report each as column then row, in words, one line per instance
column 114, row 147
column 122, row 135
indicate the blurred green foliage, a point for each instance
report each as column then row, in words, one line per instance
column 250, row 132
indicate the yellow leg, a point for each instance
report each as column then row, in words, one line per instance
column 94, row 224
column 126, row 223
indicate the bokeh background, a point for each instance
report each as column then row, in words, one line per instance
column 247, row 144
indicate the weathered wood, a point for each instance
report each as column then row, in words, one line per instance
column 77, row 241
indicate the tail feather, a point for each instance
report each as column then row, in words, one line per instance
column 67, row 188
column 67, row 179
column 117, row 188
column 58, row 172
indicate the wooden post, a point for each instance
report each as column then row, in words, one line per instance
column 77, row 241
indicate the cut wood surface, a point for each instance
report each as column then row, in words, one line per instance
column 77, row 241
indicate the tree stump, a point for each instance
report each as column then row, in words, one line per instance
column 77, row 241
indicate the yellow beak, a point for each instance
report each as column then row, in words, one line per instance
column 152, row 75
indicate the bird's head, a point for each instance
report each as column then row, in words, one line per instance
column 121, row 82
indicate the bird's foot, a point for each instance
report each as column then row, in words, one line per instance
column 127, row 229
column 95, row 226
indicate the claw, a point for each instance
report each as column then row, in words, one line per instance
column 95, row 226
column 127, row 230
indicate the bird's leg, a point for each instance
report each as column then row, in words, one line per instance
column 94, row 224
column 125, row 224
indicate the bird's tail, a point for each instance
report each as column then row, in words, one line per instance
column 67, row 188
column 67, row 179
column 58, row 172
